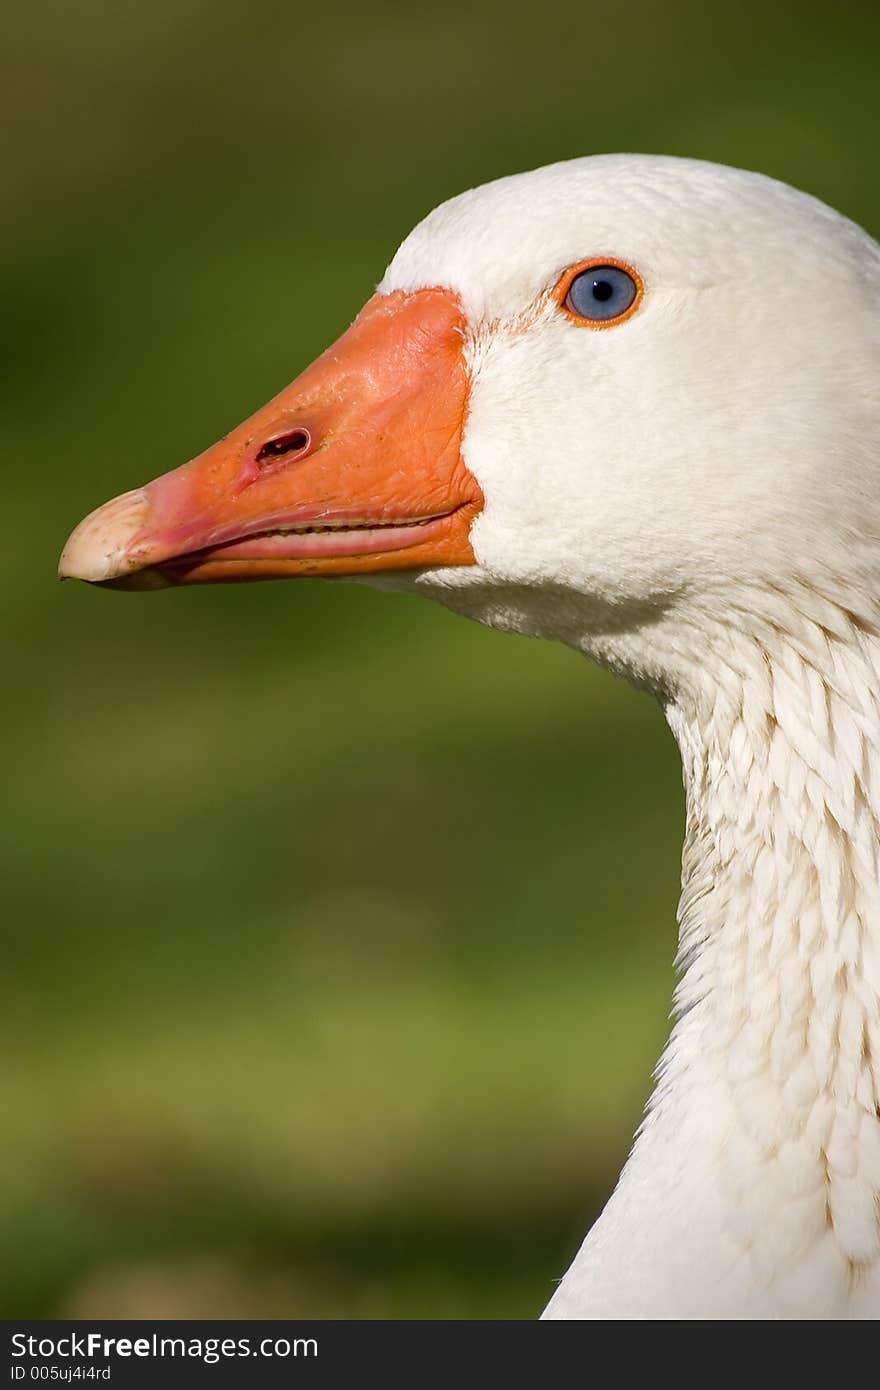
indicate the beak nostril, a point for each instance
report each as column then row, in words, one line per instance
column 291, row 444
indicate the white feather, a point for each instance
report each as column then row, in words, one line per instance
column 693, row 498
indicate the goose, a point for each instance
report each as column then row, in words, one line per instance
column 631, row 404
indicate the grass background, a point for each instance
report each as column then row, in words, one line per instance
column 337, row 941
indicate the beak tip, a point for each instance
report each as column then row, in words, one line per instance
column 99, row 549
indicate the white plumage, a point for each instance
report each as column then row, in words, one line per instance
column 693, row 499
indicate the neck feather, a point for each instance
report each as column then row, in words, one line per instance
column 754, row 1184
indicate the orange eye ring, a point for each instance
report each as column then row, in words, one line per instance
column 563, row 286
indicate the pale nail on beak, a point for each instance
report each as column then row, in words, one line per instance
column 98, row 550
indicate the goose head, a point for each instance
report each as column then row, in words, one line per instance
column 608, row 401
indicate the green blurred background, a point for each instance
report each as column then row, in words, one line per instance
column 339, row 932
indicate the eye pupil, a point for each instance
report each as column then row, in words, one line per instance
column 601, row 293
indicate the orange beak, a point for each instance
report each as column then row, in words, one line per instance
column 355, row 468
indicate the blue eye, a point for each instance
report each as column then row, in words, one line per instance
column 600, row 293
